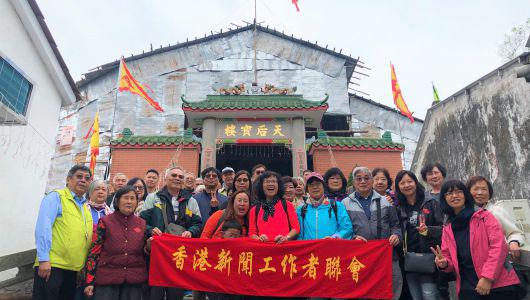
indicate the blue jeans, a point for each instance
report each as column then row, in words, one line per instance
column 422, row 286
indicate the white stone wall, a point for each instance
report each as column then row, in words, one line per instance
column 25, row 151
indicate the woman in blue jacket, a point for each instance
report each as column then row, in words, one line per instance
column 322, row 218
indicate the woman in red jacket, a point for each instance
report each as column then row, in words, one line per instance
column 272, row 218
column 116, row 266
column 236, row 209
column 473, row 247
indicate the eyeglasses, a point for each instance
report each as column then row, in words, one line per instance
column 361, row 179
column 177, row 176
column 81, row 177
column 454, row 193
column 274, row 181
column 138, row 188
column 242, row 180
column 210, row 176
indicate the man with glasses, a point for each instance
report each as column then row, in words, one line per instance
column 63, row 234
column 172, row 210
column 374, row 218
column 210, row 200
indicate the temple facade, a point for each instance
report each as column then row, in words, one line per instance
column 237, row 98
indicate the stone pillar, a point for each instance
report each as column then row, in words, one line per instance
column 298, row 147
column 208, row 143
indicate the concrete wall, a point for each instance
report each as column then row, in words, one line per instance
column 483, row 129
column 376, row 118
column 25, row 151
column 196, row 71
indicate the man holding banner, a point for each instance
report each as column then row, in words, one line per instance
column 374, row 218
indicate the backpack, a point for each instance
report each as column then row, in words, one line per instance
column 333, row 207
column 284, row 205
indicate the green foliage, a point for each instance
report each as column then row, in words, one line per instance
column 514, row 41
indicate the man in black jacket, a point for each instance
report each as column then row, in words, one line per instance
column 173, row 208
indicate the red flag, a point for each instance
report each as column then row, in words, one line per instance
column 126, row 82
column 398, row 97
column 295, row 2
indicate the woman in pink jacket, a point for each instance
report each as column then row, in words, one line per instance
column 473, row 247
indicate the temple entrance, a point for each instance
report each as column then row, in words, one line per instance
column 244, row 156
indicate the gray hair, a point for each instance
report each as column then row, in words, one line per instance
column 173, row 168
column 299, row 179
column 94, row 184
column 120, row 174
column 363, row 170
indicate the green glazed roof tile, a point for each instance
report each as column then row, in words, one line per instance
column 215, row 102
column 356, row 142
column 155, row 140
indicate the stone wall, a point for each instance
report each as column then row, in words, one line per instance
column 484, row 129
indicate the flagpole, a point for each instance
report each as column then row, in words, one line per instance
column 109, row 161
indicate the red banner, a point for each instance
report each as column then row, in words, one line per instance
column 328, row 268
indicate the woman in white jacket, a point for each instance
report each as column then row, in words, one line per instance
column 482, row 192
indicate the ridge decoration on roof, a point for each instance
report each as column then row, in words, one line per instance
column 356, row 143
column 254, row 102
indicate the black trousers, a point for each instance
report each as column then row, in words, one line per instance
column 503, row 294
column 119, row 292
column 61, row 285
column 161, row 293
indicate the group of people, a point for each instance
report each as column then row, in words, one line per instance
column 95, row 242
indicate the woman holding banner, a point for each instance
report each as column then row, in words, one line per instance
column 272, row 218
column 116, row 266
column 236, row 210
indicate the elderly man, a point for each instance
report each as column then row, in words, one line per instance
column 172, row 210
column 373, row 218
column 210, row 200
column 227, row 175
column 189, row 182
column 63, row 235
column 151, row 181
column 118, row 181
column 321, row 217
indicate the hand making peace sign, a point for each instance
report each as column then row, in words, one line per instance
column 439, row 259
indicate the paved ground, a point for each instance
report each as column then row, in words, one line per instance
column 18, row 291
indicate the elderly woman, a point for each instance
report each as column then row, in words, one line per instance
column 97, row 194
column 473, row 247
column 299, row 191
column 335, row 183
column 236, row 209
column 482, row 192
column 116, row 265
column 289, row 187
column 272, row 218
column 140, row 188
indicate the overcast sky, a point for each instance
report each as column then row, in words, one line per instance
column 451, row 43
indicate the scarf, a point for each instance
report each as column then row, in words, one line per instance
column 461, row 220
column 268, row 208
column 100, row 206
column 338, row 196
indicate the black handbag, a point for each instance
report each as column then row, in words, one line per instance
column 418, row 262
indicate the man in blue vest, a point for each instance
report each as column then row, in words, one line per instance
column 63, row 235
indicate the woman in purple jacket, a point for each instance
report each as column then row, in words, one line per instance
column 473, row 247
